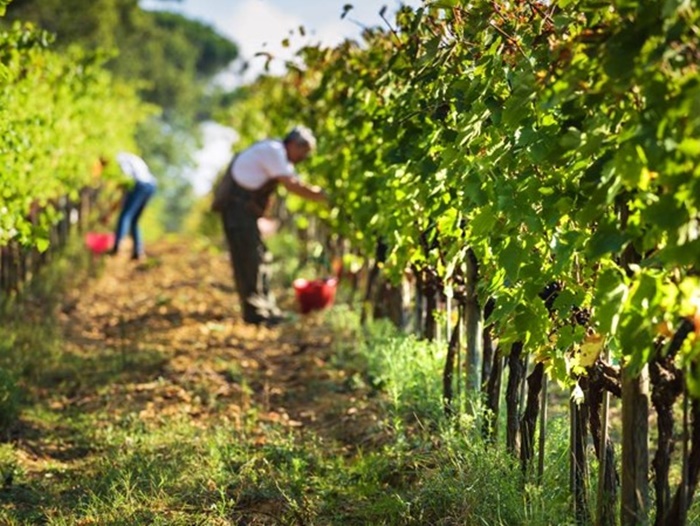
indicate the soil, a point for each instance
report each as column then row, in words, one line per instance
column 163, row 338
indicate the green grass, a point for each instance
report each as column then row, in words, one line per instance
column 113, row 468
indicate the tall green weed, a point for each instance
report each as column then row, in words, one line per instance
column 456, row 476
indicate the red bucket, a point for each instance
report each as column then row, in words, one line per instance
column 315, row 294
column 99, row 242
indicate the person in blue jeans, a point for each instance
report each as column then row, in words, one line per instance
column 137, row 196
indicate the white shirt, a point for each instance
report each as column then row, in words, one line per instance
column 260, row 163
column 135, row 167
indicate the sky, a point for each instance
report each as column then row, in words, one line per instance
column 261, row 26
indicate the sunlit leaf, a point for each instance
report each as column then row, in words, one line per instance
column 611, row 292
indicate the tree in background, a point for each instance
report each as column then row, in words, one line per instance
column 174, row 58
column 170, row 58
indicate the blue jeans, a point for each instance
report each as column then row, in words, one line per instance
column 134, row 203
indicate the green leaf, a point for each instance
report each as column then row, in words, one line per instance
column 666, row 213
column 611, row 292
column 565, row 246
column 483, row 222
column 690, row 146
column 531, row 322
column 636, row 342
column 565, row 301
column 515, row 110
column 42, row 244
column 571, row 139
column 606, row 240
column 511, row 258
column 645, row 292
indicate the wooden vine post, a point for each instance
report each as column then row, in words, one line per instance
column 516, row 375
column 635, row 449
column 578, row 475
column 543, row 431
column 473, row 326
column 530, row 412
column 448, row 391
column 683, row 490
column 605, row 513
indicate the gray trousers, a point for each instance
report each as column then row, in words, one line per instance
column 251, row 262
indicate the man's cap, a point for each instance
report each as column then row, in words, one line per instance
column 301, row 135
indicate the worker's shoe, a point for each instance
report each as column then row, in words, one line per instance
column 270, row 320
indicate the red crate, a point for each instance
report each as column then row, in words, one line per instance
column 314, row 294
column 99, row 242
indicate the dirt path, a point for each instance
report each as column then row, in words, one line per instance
column 164, row 339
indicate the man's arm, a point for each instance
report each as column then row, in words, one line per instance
column 298, row 187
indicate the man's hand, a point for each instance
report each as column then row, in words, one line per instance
column 267, row 226
column 298, row 187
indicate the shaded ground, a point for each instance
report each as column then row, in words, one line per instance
column 164, row 339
